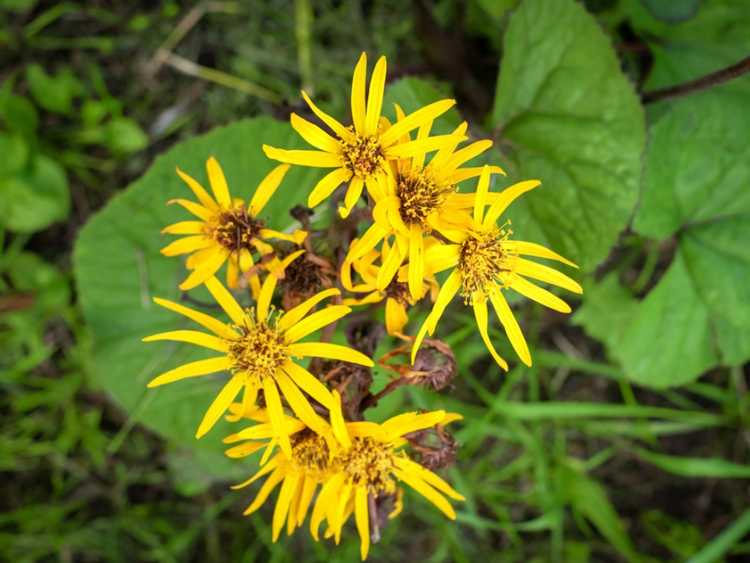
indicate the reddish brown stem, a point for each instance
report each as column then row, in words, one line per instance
column 708, row 81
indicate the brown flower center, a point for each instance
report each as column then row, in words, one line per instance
column 419, row 196
column 259, row 352
column 484, row 261
column 235, row 229
column 310, row 451
column 369, row 462
column 363, row 155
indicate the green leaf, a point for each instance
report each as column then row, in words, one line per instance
column 119, row 269
column 19, row 115
column 567, row 115
column 123, row 135
column 672, row 11
column 34, row 198
column 15, row 153
column 589, row 498
column 719, row 546
column 54, row 93
column 698, row 162
column 713, row 467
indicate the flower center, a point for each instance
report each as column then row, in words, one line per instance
column 259, row 352
column 483, row 261
column 419, row 196
column 400, row 292
column 310, row 451
column 235, row 228
column 363, row 155
column 369, row 462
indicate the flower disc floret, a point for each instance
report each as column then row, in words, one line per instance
column 419, row 196
column 362, row 154
column 310, row 452
column 258, row 352
column 483, row 260
column 371, row 463
column 235, row 229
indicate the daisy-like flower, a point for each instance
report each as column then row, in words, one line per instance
column 352, row 463
column 359, row 152
column 258, row 348
column 396, row 293
column 370, row 463
column 226, row 230
column 415, row 200
column 485, row 261
column 300, row 473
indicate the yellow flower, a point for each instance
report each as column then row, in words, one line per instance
column 227, row 230
column 359, row 152
column 415, row 200
column 370, row 463
column 299, row 473
column 353, row 463
column 258, row 348
column 485, row 261
column 396, row 293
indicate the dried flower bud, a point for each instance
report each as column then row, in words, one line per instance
column 435, row 365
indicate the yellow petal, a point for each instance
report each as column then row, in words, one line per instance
column 510, row 324
column 353, row 193
column 361, row 512
column 187, row 244
column 185, row 228
column 372, row 237
column 471, row 172
column 329, row 351
column 416, row 483
column 327, row 495
column 395, row 316
column 326, row 186
column 220, row 405
column 375, row 97
column 212, row 324
column 480, row 313
column 405, row 423
column 308, row 490
column 226, row 300
column 193, row 369
column 337, row 421
column 447, row 292
column 218, row 182
column 276, row 413
column 414, row 120
column 532, row 249
column 536, row 293
column 467, row 153
column 264, row 470
column 191, row 337
column 429, row 477
column 440, row 257
column 294, row 315
column 316, row 321
column 308, row 383
column 264, row 299
column 416, row 262
column 267, row 188
column 437, row 163
column 314, row 134
column 194, row 208
column 359, row 80
column 546, row 274
column 202, row 195
column 288, row 487
column 336, row 127
column 205, row 269
column 390, row 266
column 317, row 159
column 275, row 478
column 243, row 450
column 505, row 198
column 299, row 403
column 421, row 146
column 480, row 200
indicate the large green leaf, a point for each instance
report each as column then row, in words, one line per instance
column 119, row 269
column 567, row 115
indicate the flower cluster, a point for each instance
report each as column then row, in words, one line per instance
column 423, row 239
